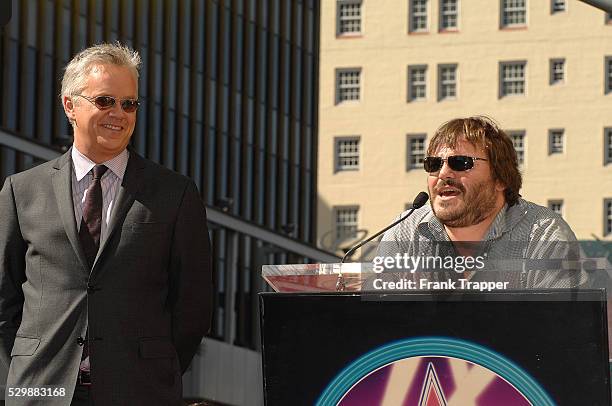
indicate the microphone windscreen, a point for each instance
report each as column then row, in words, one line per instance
column 420, row 200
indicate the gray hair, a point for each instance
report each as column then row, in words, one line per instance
column 77, row 70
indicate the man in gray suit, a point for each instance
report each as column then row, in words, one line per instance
column 105, row 275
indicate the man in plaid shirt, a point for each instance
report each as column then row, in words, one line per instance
column 475, row 210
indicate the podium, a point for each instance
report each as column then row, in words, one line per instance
column 428, row 347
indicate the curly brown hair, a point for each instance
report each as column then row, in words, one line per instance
column 483, row 132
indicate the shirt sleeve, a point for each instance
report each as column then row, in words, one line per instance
column 554, row 256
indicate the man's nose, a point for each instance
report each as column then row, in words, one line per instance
column 117, row 110
column 446, row 171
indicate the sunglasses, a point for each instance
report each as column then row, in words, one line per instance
column 455, row 162
column 107, row 102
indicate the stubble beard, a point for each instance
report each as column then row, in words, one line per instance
column 477, row 205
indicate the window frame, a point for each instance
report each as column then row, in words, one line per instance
column 552, row 71
column 607, row 144
column 607, row 217
column 441, row 16
column 560, row 202
column 523, row 134
column 336, row 211
column 409, row 153
column 502, row 65
column 441, row 84
column 608, row 74
column 411, row 68
column 553, row 10
column 503, row 12
column 339, row 32
column 551, row 134
column 339, row 72
column 337, row 141
column 411, row 18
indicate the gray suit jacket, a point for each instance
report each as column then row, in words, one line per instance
column 146, row 303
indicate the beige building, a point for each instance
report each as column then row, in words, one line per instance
column 393, row 70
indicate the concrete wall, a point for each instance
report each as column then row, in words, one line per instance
column 225, row 373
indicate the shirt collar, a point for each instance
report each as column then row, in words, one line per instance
column 82, row 165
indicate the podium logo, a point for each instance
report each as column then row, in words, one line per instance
column 433, row 371
column 432, row 393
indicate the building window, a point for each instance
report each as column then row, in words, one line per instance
column 555, row 142
column 608, row 73
column 518, row 140
column 347, row 154
column 416, row 150
column 418, row 16
column 348, row 84
column 417, row 83
column 557, row 71
column 447, row 82
column 346, row 222
column 557, row 6
column 556, row 206
column 349, row 17
column 607, row 217
column 449, row 13
column 512, row 78
column 513, row 13
column 608, row 146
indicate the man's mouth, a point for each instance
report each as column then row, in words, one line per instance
column 112, row 127
column 448, row 192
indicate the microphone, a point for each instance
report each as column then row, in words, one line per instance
column 418, row 202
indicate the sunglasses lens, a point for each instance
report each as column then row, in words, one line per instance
column 104, row 102
column 460, row 162
column 456, row 163
column 129, row 106
column 432, row 164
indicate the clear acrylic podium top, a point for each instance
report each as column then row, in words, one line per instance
column 317, row 277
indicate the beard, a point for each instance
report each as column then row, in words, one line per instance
column 478, row 203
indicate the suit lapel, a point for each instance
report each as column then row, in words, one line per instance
column 62, row 187
column 132, row 182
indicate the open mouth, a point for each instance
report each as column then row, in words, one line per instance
column 449, row 193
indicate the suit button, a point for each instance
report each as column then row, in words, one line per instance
column 80, row 341
column 91, row 289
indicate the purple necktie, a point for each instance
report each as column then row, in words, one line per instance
column 91, row 224
column 89, row 234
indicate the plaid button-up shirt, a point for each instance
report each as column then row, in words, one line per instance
column 527, row 245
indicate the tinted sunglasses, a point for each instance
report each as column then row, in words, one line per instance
column 455, row 162
column 107, row 102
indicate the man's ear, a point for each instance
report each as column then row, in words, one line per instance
column 499, row 186
column 69, row 108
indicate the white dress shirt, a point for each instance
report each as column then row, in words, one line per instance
column 110, row 182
